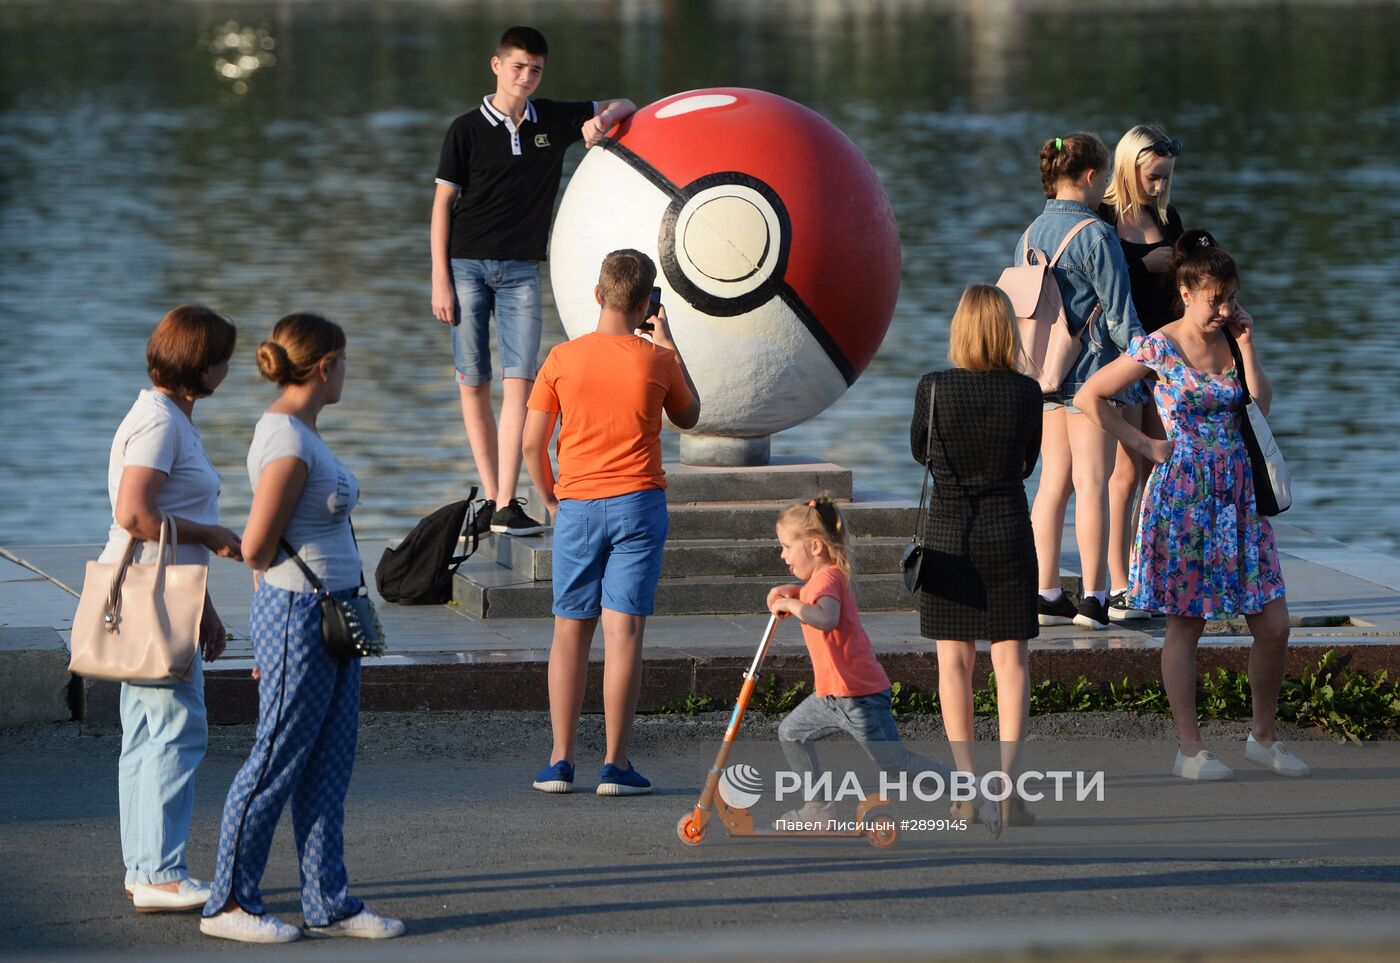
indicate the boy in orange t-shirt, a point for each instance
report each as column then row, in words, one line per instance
column 607, row 389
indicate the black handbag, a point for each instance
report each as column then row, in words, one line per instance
column 1273, row 482
column 912, row 561
column 350, row 627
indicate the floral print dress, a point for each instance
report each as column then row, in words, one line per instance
column 1202, row 549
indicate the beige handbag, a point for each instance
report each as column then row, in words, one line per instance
column 140, row 623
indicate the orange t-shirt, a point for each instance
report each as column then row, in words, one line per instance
column 609, row 390
column 842, row 660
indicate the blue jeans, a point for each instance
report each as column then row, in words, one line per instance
column 164, row 735
column 607, row 554
column 510, row 289
column 868, row 719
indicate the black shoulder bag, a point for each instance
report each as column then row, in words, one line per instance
column 350, row 627
column 912, row 562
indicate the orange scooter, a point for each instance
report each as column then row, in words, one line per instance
column 881, row 830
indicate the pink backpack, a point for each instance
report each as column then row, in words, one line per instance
column 1048, row 349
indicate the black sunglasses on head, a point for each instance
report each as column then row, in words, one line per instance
column 1165, row 148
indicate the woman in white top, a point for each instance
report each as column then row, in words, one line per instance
column 308, row 701
column 158, row 465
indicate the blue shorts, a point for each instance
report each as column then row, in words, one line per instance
column 510, row 290
column 607, row 554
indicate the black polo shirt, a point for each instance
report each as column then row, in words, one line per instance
column 507, row 178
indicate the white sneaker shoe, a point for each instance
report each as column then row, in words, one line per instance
column 247, row 928
column 1275, row 757
column 192, row 894
column 364, row 925
column 1203, row 766
column 813, row 812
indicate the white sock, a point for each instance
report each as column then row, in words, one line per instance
column 1100, row 595
column 1119, row 591
column 1051, row 594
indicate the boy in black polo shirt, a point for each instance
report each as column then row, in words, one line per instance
column 496, row 183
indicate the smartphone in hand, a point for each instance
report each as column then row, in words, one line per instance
column 653, row 308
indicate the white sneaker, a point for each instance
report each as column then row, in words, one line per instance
column 364, row 925
column 192, row 894
column 1203, row 766
column 1275, row 757
column 247, row 928
column 815, row 811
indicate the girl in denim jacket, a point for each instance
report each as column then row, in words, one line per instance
column 1076, row 455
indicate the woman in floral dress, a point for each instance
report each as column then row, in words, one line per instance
column 1202, row 550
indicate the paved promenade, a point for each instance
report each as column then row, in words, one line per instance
column 444, row 831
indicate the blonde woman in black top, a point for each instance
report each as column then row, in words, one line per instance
column 1137, row 205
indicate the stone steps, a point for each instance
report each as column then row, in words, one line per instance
column 533, row 558
column 486, row 590
column 721, row 555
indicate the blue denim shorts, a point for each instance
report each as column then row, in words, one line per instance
column 607, row 554
column 511, row 291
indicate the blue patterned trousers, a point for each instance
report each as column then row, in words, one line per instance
column 308, row 719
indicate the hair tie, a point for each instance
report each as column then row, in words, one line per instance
column 812, row 503
column 1059, row 144
column 1205, row 241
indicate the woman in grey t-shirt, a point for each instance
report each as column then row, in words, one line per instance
column 308, row 701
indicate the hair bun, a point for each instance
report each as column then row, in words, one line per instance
column 274, row 363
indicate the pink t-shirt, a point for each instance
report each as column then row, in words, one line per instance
column 842, row 660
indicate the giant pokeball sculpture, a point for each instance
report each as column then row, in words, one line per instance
column 777, row 251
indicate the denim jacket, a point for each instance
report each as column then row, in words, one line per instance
column 1091, row 271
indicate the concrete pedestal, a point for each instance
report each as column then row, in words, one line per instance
column 717, row 451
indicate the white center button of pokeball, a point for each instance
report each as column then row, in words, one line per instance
column 726, row 238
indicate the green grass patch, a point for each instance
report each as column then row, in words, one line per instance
column 1350, row 705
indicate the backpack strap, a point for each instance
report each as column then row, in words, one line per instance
column 1070, row 236
column 468, row 532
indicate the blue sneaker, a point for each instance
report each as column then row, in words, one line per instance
column 556, row 778
column 613, row 781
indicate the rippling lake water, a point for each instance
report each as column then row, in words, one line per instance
column 269, row 157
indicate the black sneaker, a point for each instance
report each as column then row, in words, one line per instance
column 1092, row 614
column 1059, row 612
column 512, row 520
column 1120, row 611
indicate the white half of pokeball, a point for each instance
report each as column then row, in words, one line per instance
column 728, row 240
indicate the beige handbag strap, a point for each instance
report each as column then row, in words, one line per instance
column 112, row 611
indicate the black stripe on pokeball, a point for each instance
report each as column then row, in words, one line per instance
column 773, row 286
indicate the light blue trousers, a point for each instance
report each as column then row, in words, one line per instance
column 164, row 735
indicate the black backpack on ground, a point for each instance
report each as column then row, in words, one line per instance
column 420, row 570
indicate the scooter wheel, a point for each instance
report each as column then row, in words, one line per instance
column 884, row 834
column 688, row 831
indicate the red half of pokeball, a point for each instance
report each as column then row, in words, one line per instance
column 802, row 213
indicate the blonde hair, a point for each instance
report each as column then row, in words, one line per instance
column 297, row 345
column 1124, row 193
column 822, row 520
column 983, row 335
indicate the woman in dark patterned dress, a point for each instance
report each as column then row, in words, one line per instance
column 979, row 574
